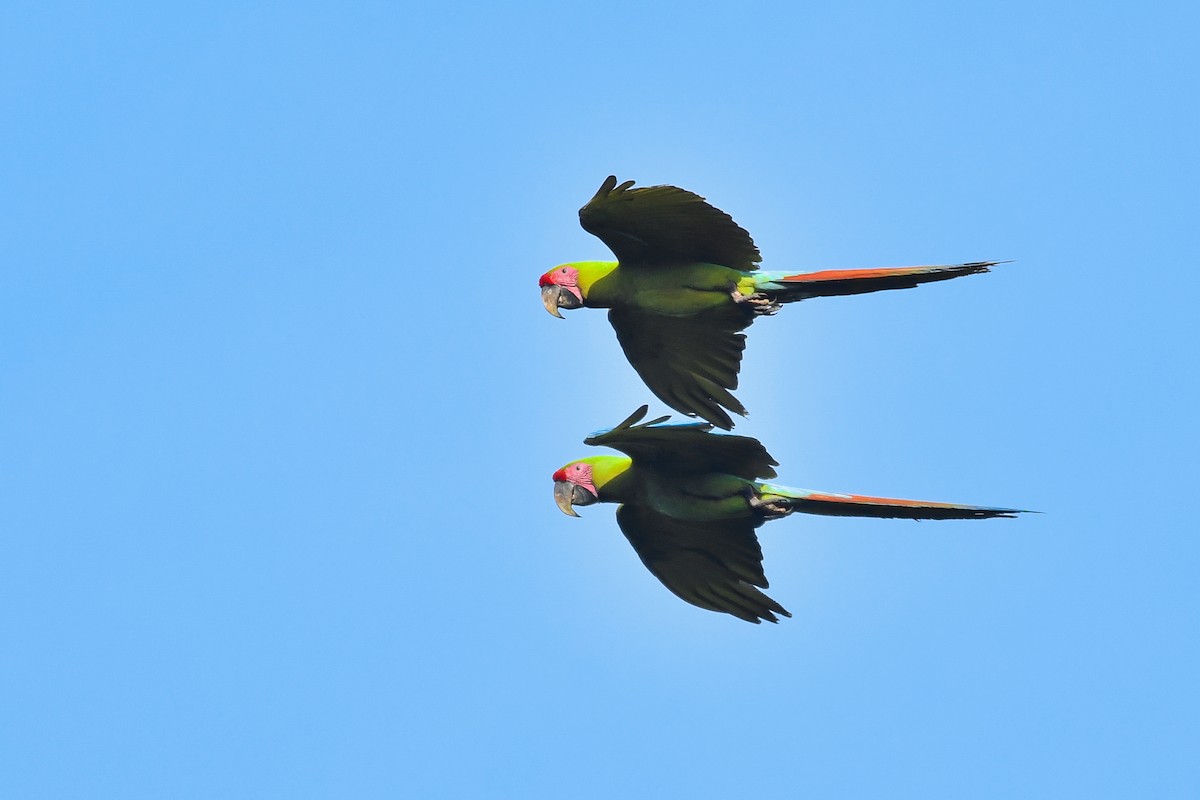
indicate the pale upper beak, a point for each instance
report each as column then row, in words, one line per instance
column 555, row 297
column 567, row 494
column 550, row 299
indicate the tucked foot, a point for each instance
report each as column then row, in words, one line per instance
column 772, row 508
column 759, row 303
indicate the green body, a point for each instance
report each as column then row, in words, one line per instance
column 695, row 496
column 681, row 290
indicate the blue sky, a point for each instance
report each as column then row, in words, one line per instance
column 280, row 404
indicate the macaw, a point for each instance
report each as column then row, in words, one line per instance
column 692, row 499
column 685, row 286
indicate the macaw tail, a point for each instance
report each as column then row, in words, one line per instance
column 783, row 500
column 780, row 287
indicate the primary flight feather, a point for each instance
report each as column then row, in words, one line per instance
column 685, row 286
column 691, row 501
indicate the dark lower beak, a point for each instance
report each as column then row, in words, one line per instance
column 556, row 297
column 567, row 494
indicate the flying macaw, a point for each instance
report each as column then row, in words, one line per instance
column 685, row 286
column 691, row 500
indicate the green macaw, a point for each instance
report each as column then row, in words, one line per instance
column 691, row 500
column 685, row 286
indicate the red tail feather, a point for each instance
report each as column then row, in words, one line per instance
column 834, row 282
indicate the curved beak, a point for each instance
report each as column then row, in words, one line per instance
column 555, row 297
column 564, row 494
column 550, row 299
column 567, row 495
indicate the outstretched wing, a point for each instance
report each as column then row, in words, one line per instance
column 686, row 448
column 714, row 564
column 657, row 225
column 690, row 363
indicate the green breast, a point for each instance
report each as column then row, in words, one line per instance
column 700, row 497
column 672, row 290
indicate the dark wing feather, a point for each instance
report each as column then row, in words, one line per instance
column 687, row 449
column 715, row 564
column 657, row 225
column 690, row 363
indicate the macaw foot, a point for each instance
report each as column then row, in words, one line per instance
column 771, row 507
column 759, row 303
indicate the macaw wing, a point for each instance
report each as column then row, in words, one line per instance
column 686, row 448
column 690, row 363
column 713, row 564
column 657, row 225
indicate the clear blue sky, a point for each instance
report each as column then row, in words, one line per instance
column 279, row 403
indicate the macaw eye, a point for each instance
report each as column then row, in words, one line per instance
column 563, row 270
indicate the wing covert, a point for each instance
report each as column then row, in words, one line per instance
column 687, row 448
column 657, row 225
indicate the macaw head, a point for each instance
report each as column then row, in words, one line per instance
column 574, row 486
column 560, row 289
